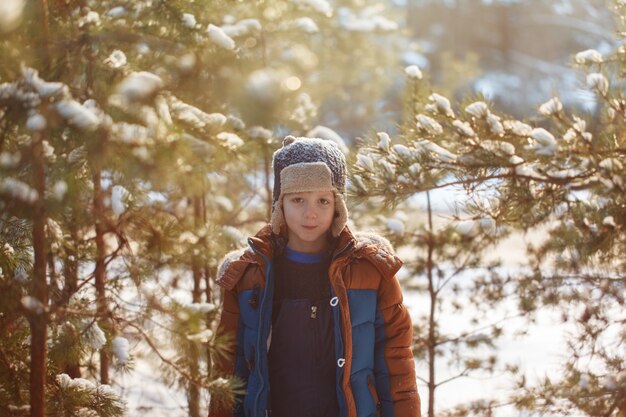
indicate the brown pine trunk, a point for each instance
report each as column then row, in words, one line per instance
column 38, row 322
column 432, row 334
column 193, row 394
column 100, row 274
column 196, row 259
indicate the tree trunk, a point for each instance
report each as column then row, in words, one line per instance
column 432, row 334
column 196, row 258
column 193, row 393
column 100, row 274
column 38, row 321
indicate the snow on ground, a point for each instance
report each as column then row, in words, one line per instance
column 145, row 394
column 538, row 352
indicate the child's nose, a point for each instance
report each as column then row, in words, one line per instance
column 309, row 212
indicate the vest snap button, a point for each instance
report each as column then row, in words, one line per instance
column 341, row 362
column 334, row 301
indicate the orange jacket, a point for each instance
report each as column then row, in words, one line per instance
column 375, row 366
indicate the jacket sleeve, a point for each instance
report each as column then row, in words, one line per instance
column 229, row 362
column 394, row 365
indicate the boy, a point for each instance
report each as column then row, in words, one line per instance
column 315, row 313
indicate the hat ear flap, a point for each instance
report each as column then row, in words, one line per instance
column 341, row 219
column 277, row 216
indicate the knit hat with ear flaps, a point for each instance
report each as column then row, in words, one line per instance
column 309, row 164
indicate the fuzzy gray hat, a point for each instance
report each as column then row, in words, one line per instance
column 309, row 164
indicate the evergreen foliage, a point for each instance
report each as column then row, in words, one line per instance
column 561, row 171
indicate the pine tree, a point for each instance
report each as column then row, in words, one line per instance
column 560, row 171
column 125, row 179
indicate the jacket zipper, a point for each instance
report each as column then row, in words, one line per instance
column 340, row 321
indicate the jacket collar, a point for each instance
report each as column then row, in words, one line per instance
column 265, row 244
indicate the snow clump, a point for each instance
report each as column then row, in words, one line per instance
column 66, row 382
column 552, row 106
column 117, row 59
column 609, row 221
column 91, row 18
column 18, row 190
column 383, row 141
column 202, row 337
column 442, row 154
column 365, row 162
column 464, row 128
column 189, row 20
column 303, row 24
column 231, row 139
column 36, row 122
column 194, row 116
column 59, row 189
column 94, row 336
column 242, row 28
column 499, row 147
column 43, row 88
column 442, row 104
column 78, row 115
column 121, row 349
column 428, row 125
column 413, row 71
column 402, row 151
column 494, row 124
column 116, row 12
column 33, row 305
column 589, row 56
column 526, row 170
column 188, row 238
column 220, row 38
column 139, row 86
column 518, row 128
column 545, row 142
column 478, row 109
column 119, row 199
column 598, row 82
column 200, row 307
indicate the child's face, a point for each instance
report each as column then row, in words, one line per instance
column 309, row 216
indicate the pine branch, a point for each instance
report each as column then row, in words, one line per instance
column 193, row 380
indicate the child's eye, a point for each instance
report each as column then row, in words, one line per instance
column 296, row 200
column 324, row 201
